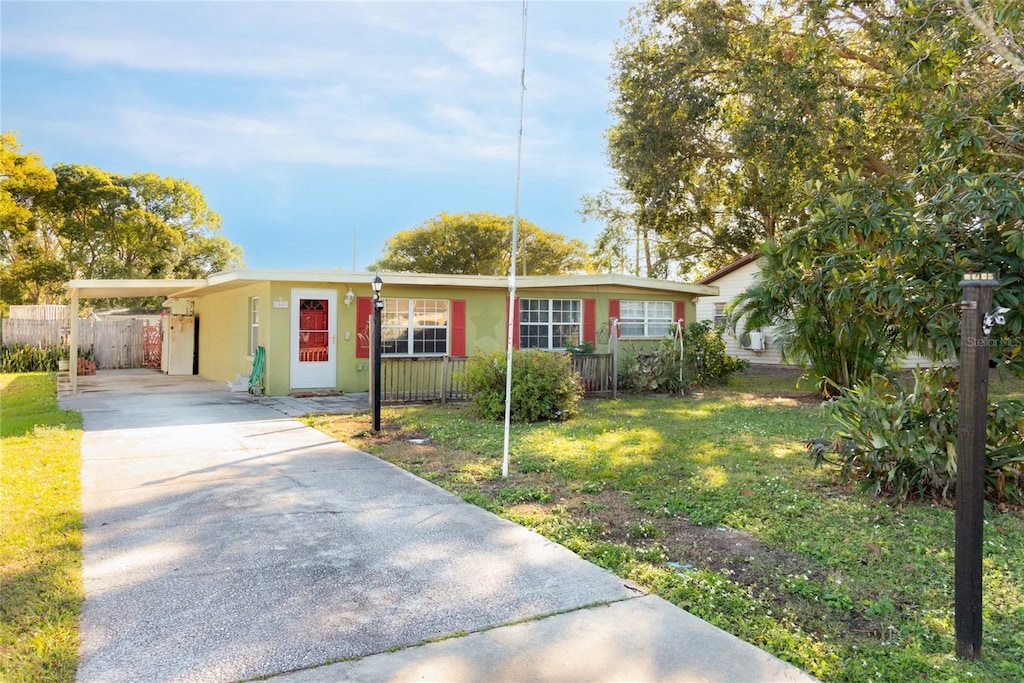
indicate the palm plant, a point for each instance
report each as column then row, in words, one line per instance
column 818, row 320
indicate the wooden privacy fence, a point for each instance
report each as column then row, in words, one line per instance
column 114, row 343
column 418, row 380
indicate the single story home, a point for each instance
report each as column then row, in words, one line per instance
column 761, row 346
column 314, row 325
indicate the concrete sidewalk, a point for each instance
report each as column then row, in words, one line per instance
column 225, row 542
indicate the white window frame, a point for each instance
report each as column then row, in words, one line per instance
column 254, row 324
column 392, row 310
column 719, row 317
column 546, row 318
column 644, row 323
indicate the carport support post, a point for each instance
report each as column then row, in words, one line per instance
column 73, row 341
column 970, row 462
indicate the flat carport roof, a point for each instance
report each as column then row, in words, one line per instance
column 113, row 289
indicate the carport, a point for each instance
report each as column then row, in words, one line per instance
column 114, row 289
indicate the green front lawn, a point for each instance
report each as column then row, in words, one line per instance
column 711, row 502
column 41, row 540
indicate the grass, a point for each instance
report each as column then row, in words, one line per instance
column 40, row 548
column 711, row 502
column 1000, row 388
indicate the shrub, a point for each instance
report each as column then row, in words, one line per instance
column 704, row 362
column 25, row 358
column 583, row 347
column 544, row 385
column 903, row 443
column 660, row 369
column 707, row 363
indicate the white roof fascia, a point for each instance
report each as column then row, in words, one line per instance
column 112, row 289
column 96, row 289
column 474, row 281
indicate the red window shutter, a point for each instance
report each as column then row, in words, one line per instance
column 680, row 312
column 590, row 321
column 364, row 309
column 458, row 324
column 613, row 312
column 515, row 323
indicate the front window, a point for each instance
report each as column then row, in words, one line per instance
column 254, row 324
column 550, row 323
column 645, row 318
column 414, row 327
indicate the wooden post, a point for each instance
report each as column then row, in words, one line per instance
column 970, row 462
column 613, row 346
column 445, row 370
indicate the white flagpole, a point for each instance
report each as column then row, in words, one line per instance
column 512, row 268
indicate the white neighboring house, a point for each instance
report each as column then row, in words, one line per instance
column 762, row 348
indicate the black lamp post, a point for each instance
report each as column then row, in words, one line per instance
column 378, row 305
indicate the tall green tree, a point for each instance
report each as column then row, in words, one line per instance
column 480, row 244
column 626, row 246
column 28, row 261
column 724, row 109
column 77, row 221
column 873, row 270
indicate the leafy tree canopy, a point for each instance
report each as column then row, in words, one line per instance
column 480, row 244
column 726, row 109
column 76, row 221
column 873, row 266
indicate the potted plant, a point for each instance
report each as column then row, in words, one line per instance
column 63, row 362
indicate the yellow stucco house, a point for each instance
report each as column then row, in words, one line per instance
column 313, row 325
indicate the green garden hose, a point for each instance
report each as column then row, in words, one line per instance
column 258, row 368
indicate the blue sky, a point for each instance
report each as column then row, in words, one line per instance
column 304, row 121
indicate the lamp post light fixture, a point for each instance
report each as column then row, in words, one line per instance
column 378, row 306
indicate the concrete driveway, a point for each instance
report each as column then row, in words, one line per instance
column 225, row 542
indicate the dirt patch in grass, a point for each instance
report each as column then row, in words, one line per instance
column 731, row 552
column 794, row 400
column 710, row 502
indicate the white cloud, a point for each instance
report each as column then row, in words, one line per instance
column 403, row 85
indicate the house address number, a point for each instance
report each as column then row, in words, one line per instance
column 280, row 303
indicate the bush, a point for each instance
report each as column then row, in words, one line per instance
column 544, row 385
column 25, row 358
column 903, row 443
column 707, row 363
column 658, row 370
column 704, row 363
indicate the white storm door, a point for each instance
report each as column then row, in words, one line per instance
column 314, row 347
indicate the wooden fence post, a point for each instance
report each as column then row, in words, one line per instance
column 445, row 369
column 613, row 347
column 970, row 466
